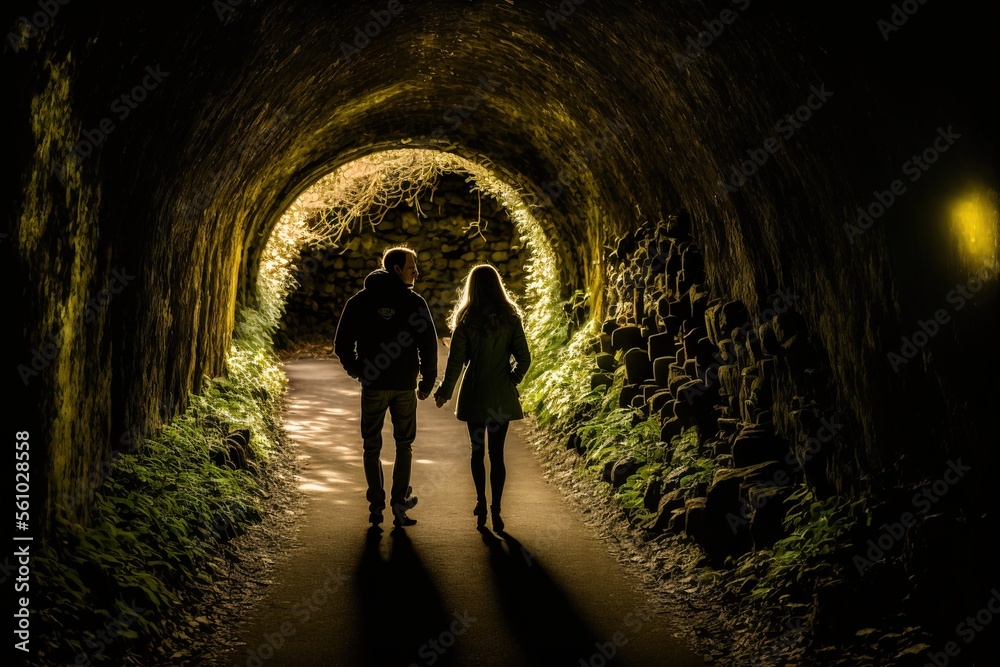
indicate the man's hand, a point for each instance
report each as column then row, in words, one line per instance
column 439, row 401
column 422, row 394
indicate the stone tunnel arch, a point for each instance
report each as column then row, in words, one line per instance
column 204, row 140
column 789, row 131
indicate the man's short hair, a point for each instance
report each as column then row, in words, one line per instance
column 394, row 257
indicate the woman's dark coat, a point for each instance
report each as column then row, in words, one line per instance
column 489, row 387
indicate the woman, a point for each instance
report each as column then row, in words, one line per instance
column 486, row 332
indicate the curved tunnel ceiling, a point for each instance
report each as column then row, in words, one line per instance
column 609, row 113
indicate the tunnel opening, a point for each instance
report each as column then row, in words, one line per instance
column 431, row 201
column 450, row 228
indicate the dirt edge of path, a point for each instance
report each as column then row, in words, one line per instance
column 251, row 559
column 671, row 568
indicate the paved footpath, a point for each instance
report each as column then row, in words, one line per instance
column 546, row 592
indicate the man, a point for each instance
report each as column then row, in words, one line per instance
column 385, row 336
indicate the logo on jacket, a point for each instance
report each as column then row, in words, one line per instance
column 386, row 313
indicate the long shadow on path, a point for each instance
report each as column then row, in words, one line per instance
column 399, row 605
column 553, row 603
column 537, row 611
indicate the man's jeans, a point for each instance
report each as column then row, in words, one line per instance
column 402, row 406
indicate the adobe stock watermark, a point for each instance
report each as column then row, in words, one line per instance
column 300, row 613
column 697, row 44
column 794, row 631
column 95, row 478
column 915, row 167
column 461, row 112
column 549, row 542
column 651, row 265
column 581, row 158
column 634, row 621
column 224, row 8
column 563, row 11
column 495, row 419
column 967, row 629
column 131, row 438
column 42, row 357
column 923, row 501
column 314, row 261
column 365, row 33
column 900, row 14
column 369, row 370
column 784, row 302
column 961, row 294
column 785, row 127
column 435, row 647
column 121, row 107
column 439, row 477
column 27, row 28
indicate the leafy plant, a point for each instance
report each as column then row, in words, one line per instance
column 558, row 395
column 685, row 454
column 632, row 494
column 158, row 521
column 816, row 529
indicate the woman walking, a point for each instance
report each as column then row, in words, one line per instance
column 486, row 332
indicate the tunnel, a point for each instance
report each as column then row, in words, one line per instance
column 761, row 239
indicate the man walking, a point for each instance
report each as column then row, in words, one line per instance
column 385, row 336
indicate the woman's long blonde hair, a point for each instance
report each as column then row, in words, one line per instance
column 485, row 300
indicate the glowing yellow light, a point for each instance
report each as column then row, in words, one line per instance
column 975, row 221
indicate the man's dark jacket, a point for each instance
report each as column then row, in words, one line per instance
column 386, row 335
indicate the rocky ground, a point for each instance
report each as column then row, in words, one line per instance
column 676, row 570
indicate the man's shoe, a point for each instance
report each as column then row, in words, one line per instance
column 399, row 516
column 410, row 501
column 374, row 518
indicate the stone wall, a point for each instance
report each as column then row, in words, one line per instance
column 748, row 378
column 753, row 383
column 451, row 229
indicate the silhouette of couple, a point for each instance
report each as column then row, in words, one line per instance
column 386, row 338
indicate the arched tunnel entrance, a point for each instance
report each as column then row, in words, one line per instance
column 452, row 212
column 759, row 252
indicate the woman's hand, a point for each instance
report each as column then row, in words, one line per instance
column 440, row 401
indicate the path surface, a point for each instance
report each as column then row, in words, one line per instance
column 547, row 592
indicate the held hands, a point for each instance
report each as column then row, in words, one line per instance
column 438, row 401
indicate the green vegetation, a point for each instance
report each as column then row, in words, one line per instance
column 160, row 517
column 116, row 587
column 697, row 468
column 556, row 393
column 631, row 494
column 816, row 529
column 554, row 389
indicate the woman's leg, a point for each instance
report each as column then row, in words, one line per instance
column 497, row 435
column 477, row 435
